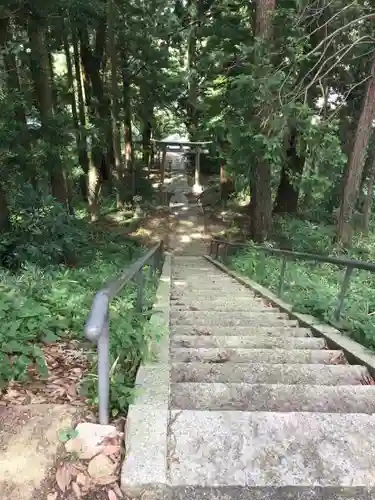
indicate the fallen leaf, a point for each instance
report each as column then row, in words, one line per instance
column 105, row 480
column 52, row 496
column 111, row 449
column 112, row 495
column 81, row 479
column 117, row 490
column 76, row 490
column 63, row 477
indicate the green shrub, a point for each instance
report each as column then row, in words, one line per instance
column 43, row 233
column 314, row 287
column 41, row 305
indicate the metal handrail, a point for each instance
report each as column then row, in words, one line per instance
column 348, row 264
column 97, row 325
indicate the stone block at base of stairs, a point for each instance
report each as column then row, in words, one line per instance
column 144, row 465
column 214, row 355
column 273, row 397
column 265, row 449
column 272, row 331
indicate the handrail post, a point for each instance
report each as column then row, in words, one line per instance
column 103, row 374
column 140, row 283
column 152, row 266
column 217, row 251
column 226, row 247
column 282, row 274
column 210, row 250
column 344, row 289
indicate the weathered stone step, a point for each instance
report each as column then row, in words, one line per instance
column 276, row 356
column 203, row 277
column 277, row 397
column 271, row 493
column 208, row 292
column 217, row 301
column 222, row 318
column 196, row 268
column 291, row 330
column 198, row 273
column 248, row 341
column 267, row 449
column 250, row 305
column 208, row 283
column 257, row 373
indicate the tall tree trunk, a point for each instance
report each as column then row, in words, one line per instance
column 84, row 151
column 97, row 158
column 367, row 206
column 5, row 225
column 128, row 132
column 40, row 68
column 286, row 201
column 192, row 100
column 262, row 203
column 112, row 52
column 97, row 102
column 13, row 85
column 356, row 160
column 146, row 141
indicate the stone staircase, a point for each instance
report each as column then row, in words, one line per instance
column 258, row 408
column 257, row 402
column 243, row 403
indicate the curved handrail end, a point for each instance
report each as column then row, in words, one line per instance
column 97, row 317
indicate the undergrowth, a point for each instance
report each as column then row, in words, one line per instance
column 314, row 287
column 55, row 264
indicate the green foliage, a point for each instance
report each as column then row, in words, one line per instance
column 313, row 288
column 43, row 232
column 66, row 434
column 42, row 305
column 130, row 337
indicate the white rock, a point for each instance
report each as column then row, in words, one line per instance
column 101, row 466
column 88, row 442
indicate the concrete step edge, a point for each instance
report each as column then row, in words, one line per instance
column 247, row 341
column 216, row 355
column 257, row 373
column 273, row 397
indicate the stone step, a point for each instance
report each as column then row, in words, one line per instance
column 222, row 318
column 291, row 329
column 230, row 301
column 276, row 397
column 257, row 373
column 204, row 278
column 271, row 493
column 248, row 341
column 203, row 283
column 271, row 449
column 250, row 305
column 190, row 259
column 276, row 356
column 208, row 292
column 197, row 272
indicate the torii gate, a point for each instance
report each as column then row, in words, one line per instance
column 193, row 145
